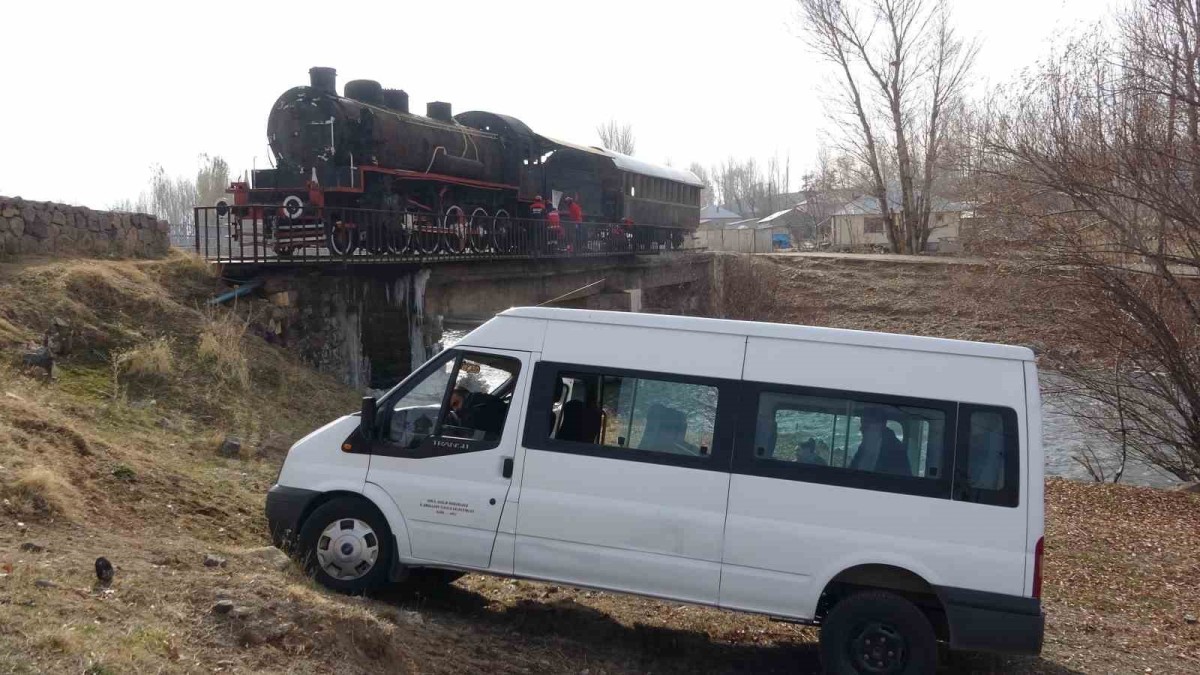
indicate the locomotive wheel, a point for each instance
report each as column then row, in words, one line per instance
column 479, row 230
column 425, row 235
column 454, row 228
column 283, row 250
column 502, row 234
column 398, row 236
column 341, row 238
column 374, row 236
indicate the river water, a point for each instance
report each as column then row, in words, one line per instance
column 1063, row 437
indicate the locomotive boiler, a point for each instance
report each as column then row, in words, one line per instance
column 424, row 175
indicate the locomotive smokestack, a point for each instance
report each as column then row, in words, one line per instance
column 396, row 99
column 323, row 79
column 439, row 110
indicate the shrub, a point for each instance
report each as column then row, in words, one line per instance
column 153, row 360
column 220, row 345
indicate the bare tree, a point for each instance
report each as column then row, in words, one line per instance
column 212, row 180
column 616, row 137
column 1100, row 148
column 172, row 198
column 903, row 70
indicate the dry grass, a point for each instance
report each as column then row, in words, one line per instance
column 38, row 492
column 153, row 359
column 220, row 346
column 989, row 303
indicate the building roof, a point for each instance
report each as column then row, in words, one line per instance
column 716, row 212
column 777, row 215
column 775, row 330
column 869, row 205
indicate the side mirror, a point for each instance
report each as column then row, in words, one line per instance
column 367, row 423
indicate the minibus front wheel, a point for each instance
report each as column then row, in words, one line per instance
column 877, row 632
column 345, row 544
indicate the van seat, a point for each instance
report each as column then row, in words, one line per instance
column 580, row 423
column 665, row 429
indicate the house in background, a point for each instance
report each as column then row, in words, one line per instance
column 749, row 235
column 859, row 223
column 714, row 216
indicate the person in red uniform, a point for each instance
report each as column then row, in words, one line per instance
column 537, row 212
column 575, row 217
column 574, row 211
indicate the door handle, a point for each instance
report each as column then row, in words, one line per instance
column 506, row 471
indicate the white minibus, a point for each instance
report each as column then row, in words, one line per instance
column 888, row 488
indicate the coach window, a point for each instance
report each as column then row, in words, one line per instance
column 987, row 463
column 892, row 439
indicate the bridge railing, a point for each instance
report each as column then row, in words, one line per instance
column 260, row 233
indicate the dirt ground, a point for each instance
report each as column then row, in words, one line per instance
column 984, row 302
column 130, row 467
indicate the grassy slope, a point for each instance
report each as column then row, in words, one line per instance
column 88, row 469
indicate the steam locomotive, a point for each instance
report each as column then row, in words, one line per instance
column 420, row 176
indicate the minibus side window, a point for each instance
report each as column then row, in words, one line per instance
column 842, row 433
column 986, row 469
column 635, row 413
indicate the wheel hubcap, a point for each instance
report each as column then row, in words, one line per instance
column 879, row 648
column 347, row 549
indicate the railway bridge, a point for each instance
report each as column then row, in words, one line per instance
column 372, row 305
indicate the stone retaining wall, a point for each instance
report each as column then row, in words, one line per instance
column 46, row 228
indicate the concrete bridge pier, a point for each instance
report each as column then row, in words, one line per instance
column 372, row 325
column 368, row 331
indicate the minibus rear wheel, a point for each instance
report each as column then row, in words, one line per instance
column 877, row 632
column 346, row 545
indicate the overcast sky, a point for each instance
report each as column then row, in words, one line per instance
column 97, row 92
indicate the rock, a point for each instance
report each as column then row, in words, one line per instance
column 223, row 607
column 45, row 583
column 211, row 560
column 270, row 556
column 1189, row 618
column 33, row 547
column 230, row 447
column 104, row 571
column 166, row 423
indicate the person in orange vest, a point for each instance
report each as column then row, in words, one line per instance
column 538, row 208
